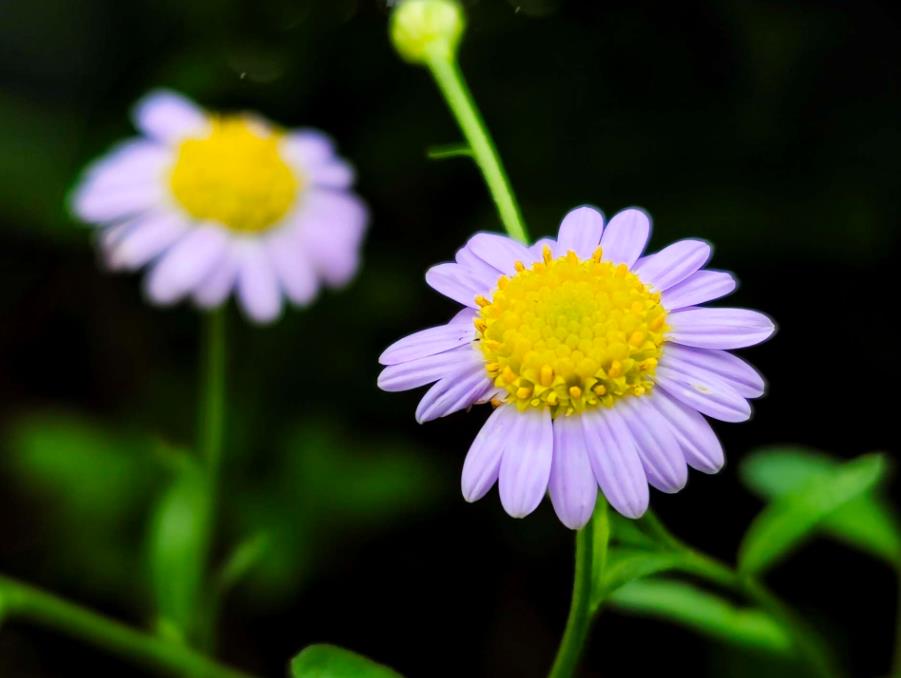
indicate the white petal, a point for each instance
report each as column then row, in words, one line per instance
column 698, row 288
column 499, row 251
column 701, row 447
column 429, row 342
column 719, row 327
column 704, row 393
column 421, row 371
column 258, row 289
column 216, row 287
column 720, row 365
column 457, row 390
column 660, row 452
column 292, row 266
column 673, row 263
column 149, row 236
column 186, row 264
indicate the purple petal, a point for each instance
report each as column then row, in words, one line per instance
column 421, row 371
column 258, row 289
column 660, row 452
column 480, row 470
column 308, row 148
column 719, row 327
column 699, row 287
column 455, row 282
column 580, row 231
column 457, row 390
column 704, row 393
column 536, row 250
column 615, row 462
column 429, row 342
column 701, row 447
column 526, row 463
column 674, row 263
column 625, row 237
column 214, row 290
column 169, row 117
column 573, row 487
column 148, row 236
column 293, row 267
column 721, row 365
column 485, row 274
column 499, row 251
column 332, row 224
column 186, row 264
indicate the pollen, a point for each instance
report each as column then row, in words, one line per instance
column 569, row 335
column 235, row 175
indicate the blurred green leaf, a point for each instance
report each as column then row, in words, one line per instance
column 867, row 522
column 178, row 542
column 245, row 556
column 330, row 661
column 787, row 521
column 702, row 611
column 458, row 150
column 627, row 532
column 323, row 484
column 627, row 565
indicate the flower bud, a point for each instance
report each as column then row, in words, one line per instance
column 425, row 29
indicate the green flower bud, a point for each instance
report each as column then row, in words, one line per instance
column 426, row 29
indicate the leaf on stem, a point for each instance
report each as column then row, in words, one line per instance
column 330, row 661
column 445, row 151
column 867, row 522
column 626, row 565
column 702, row 611
column 791, row 518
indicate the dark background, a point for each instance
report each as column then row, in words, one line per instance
column 769, row 128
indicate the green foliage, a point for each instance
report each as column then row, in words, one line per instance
column 789, row 520
column 177, row 545
column 330, row 661
column 702, row 611
column 625, row 565
column 866, row 522
column 458, row 150
column 97, row 483
column 323, row 485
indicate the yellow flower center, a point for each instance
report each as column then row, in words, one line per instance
column 571, row 335
column 235, row 176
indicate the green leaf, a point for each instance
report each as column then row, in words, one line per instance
column 702, row 611
column 626, row 565
column 459, row 150
column 626, row 531
column 178, row 542
column 242, row 560
column 867, row 522
column 330, row 661
column 787, row 521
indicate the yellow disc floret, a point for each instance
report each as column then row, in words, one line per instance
column 235, row 175
column 569, row 334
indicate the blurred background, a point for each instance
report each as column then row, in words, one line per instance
column 769, row 128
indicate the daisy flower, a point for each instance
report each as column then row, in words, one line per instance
column 600, row 364
column 216, row 203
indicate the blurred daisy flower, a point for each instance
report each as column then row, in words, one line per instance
column 598, row 360
column 214, row 203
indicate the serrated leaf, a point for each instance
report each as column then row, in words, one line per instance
column 178, row 541
column 626, row 565
column 702, row 611
column 868, row 522
column 330, row 661
column 787, row 521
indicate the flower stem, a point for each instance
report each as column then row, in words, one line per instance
column 211, row 426
column 28, row 603
column 806, row 640
column 588, row 568
column 449, row 77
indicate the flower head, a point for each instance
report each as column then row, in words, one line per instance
column 599, row 362
column 215, row 203
column 423, row 29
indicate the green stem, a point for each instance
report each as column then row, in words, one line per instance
column 896, row 663
column 579, row 620
column 211, row 437
column 806, row 640
column 447, row 74
column 28, row 603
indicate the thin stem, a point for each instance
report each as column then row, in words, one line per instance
column 210, row 443
column 28, row 603
column 896, row 664
column 579, row 620
column 447, row 74
column 702, row 565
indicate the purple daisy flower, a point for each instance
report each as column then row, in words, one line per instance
column 599, row 362
column 216, row 203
